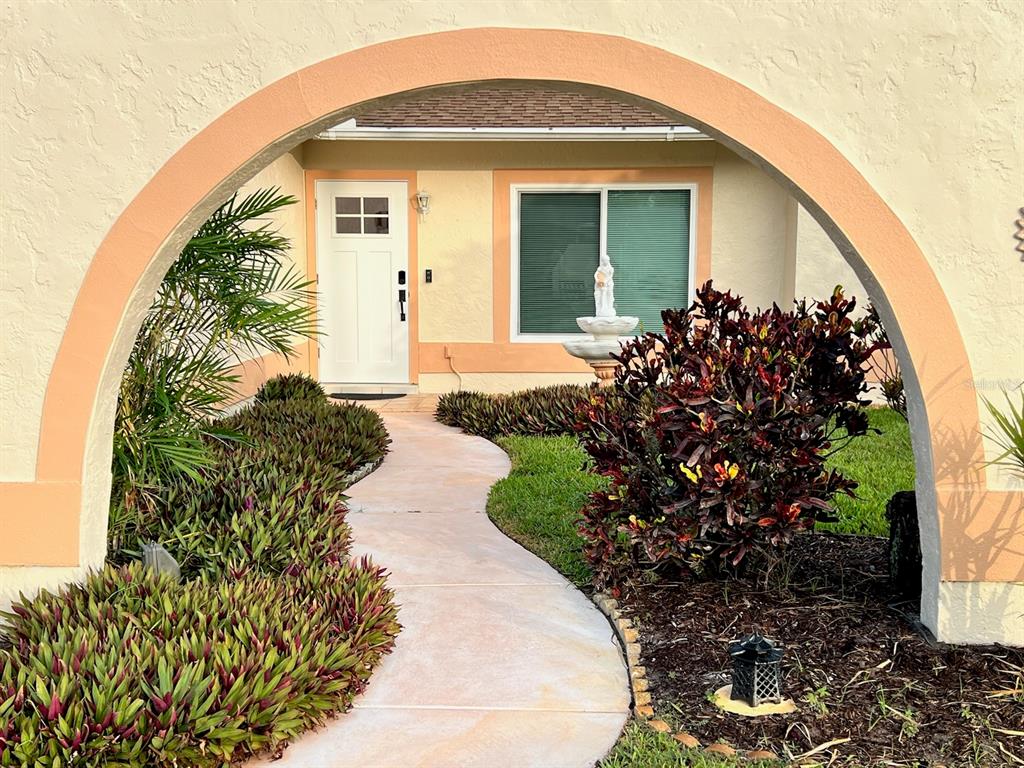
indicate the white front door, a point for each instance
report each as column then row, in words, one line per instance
column 363, row 272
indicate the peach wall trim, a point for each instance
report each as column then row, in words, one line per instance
column 315, row 175
column 39, row 523
column 291, row 109
column 498, row 357
column 503, row 181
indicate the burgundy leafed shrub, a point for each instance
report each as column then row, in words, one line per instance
column 723, row 450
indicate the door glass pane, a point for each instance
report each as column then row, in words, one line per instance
column 559, row 239
column 346, row 225
column 346, row 205
column 648, row 244
column 375, row 205
column 375, row 225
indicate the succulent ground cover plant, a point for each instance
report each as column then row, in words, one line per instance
column 723, row 453
column 541, row 411
column 308, row 437
column 290, row 386
column 273, row 628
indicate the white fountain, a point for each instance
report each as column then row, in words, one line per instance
column 605, row 328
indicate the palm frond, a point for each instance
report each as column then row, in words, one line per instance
column 233, row 294
column 1008, row 434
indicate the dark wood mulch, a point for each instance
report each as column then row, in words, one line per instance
column 855, row 664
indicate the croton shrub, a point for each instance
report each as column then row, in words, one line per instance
column 541, row 411
column 723, row 451
column 273, row 628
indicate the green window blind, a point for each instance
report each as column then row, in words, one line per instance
column 559, row 242
column 648, row 242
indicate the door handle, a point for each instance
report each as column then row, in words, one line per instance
column 401, row 304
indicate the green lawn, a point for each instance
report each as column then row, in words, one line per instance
column 537, row 503
column 641, row 747
column 882, row 464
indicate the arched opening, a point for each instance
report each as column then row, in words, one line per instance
column 965, row 537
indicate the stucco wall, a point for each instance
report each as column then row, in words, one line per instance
column 455, row 242
column 922, row 99
column 819, row 264
column 88, row 118
column 748, row 239
column 748, row 246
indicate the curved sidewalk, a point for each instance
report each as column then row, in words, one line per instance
column 501, row 663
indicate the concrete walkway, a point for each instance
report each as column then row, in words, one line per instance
column 501, row 663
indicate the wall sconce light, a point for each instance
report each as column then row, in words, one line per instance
column 423, row 202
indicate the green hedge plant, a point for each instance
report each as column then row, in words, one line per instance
column 133, row 669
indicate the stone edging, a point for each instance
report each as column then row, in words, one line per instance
column 359, row 473
column 629, row 641
column 643, row 706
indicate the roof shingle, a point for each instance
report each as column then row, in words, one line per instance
column 511, row 108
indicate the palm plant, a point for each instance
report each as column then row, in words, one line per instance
column 885, row 367
column 231, row 295
column 1008, row 434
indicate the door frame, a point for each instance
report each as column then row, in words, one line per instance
column 312, row 176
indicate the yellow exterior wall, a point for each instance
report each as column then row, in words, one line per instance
column 819, row 264
column 748, row 238
column 455, row 241
column 748, row 246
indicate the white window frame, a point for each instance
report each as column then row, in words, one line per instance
column 515, row 193
column 360, row 216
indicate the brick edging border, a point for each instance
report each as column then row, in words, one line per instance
column 629, row 642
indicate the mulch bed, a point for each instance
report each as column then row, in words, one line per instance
column 855, row 664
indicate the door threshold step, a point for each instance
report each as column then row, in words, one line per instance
column 333, row 388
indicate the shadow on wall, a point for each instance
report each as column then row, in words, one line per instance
column 980, row 527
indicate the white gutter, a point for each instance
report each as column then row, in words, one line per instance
column 349, row 130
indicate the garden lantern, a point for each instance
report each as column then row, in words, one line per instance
column 756, row 663
column 159, row 560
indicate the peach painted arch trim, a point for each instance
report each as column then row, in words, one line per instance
column 284, row 112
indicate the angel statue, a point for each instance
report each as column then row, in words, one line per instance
column 604, row 288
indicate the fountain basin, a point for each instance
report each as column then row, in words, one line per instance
column 593, row 349
column 603, row 342
column 607, row 327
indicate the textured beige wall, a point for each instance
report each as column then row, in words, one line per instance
column 97, row 96
column 819, row 264
column 455, row 241
column 748, row 234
